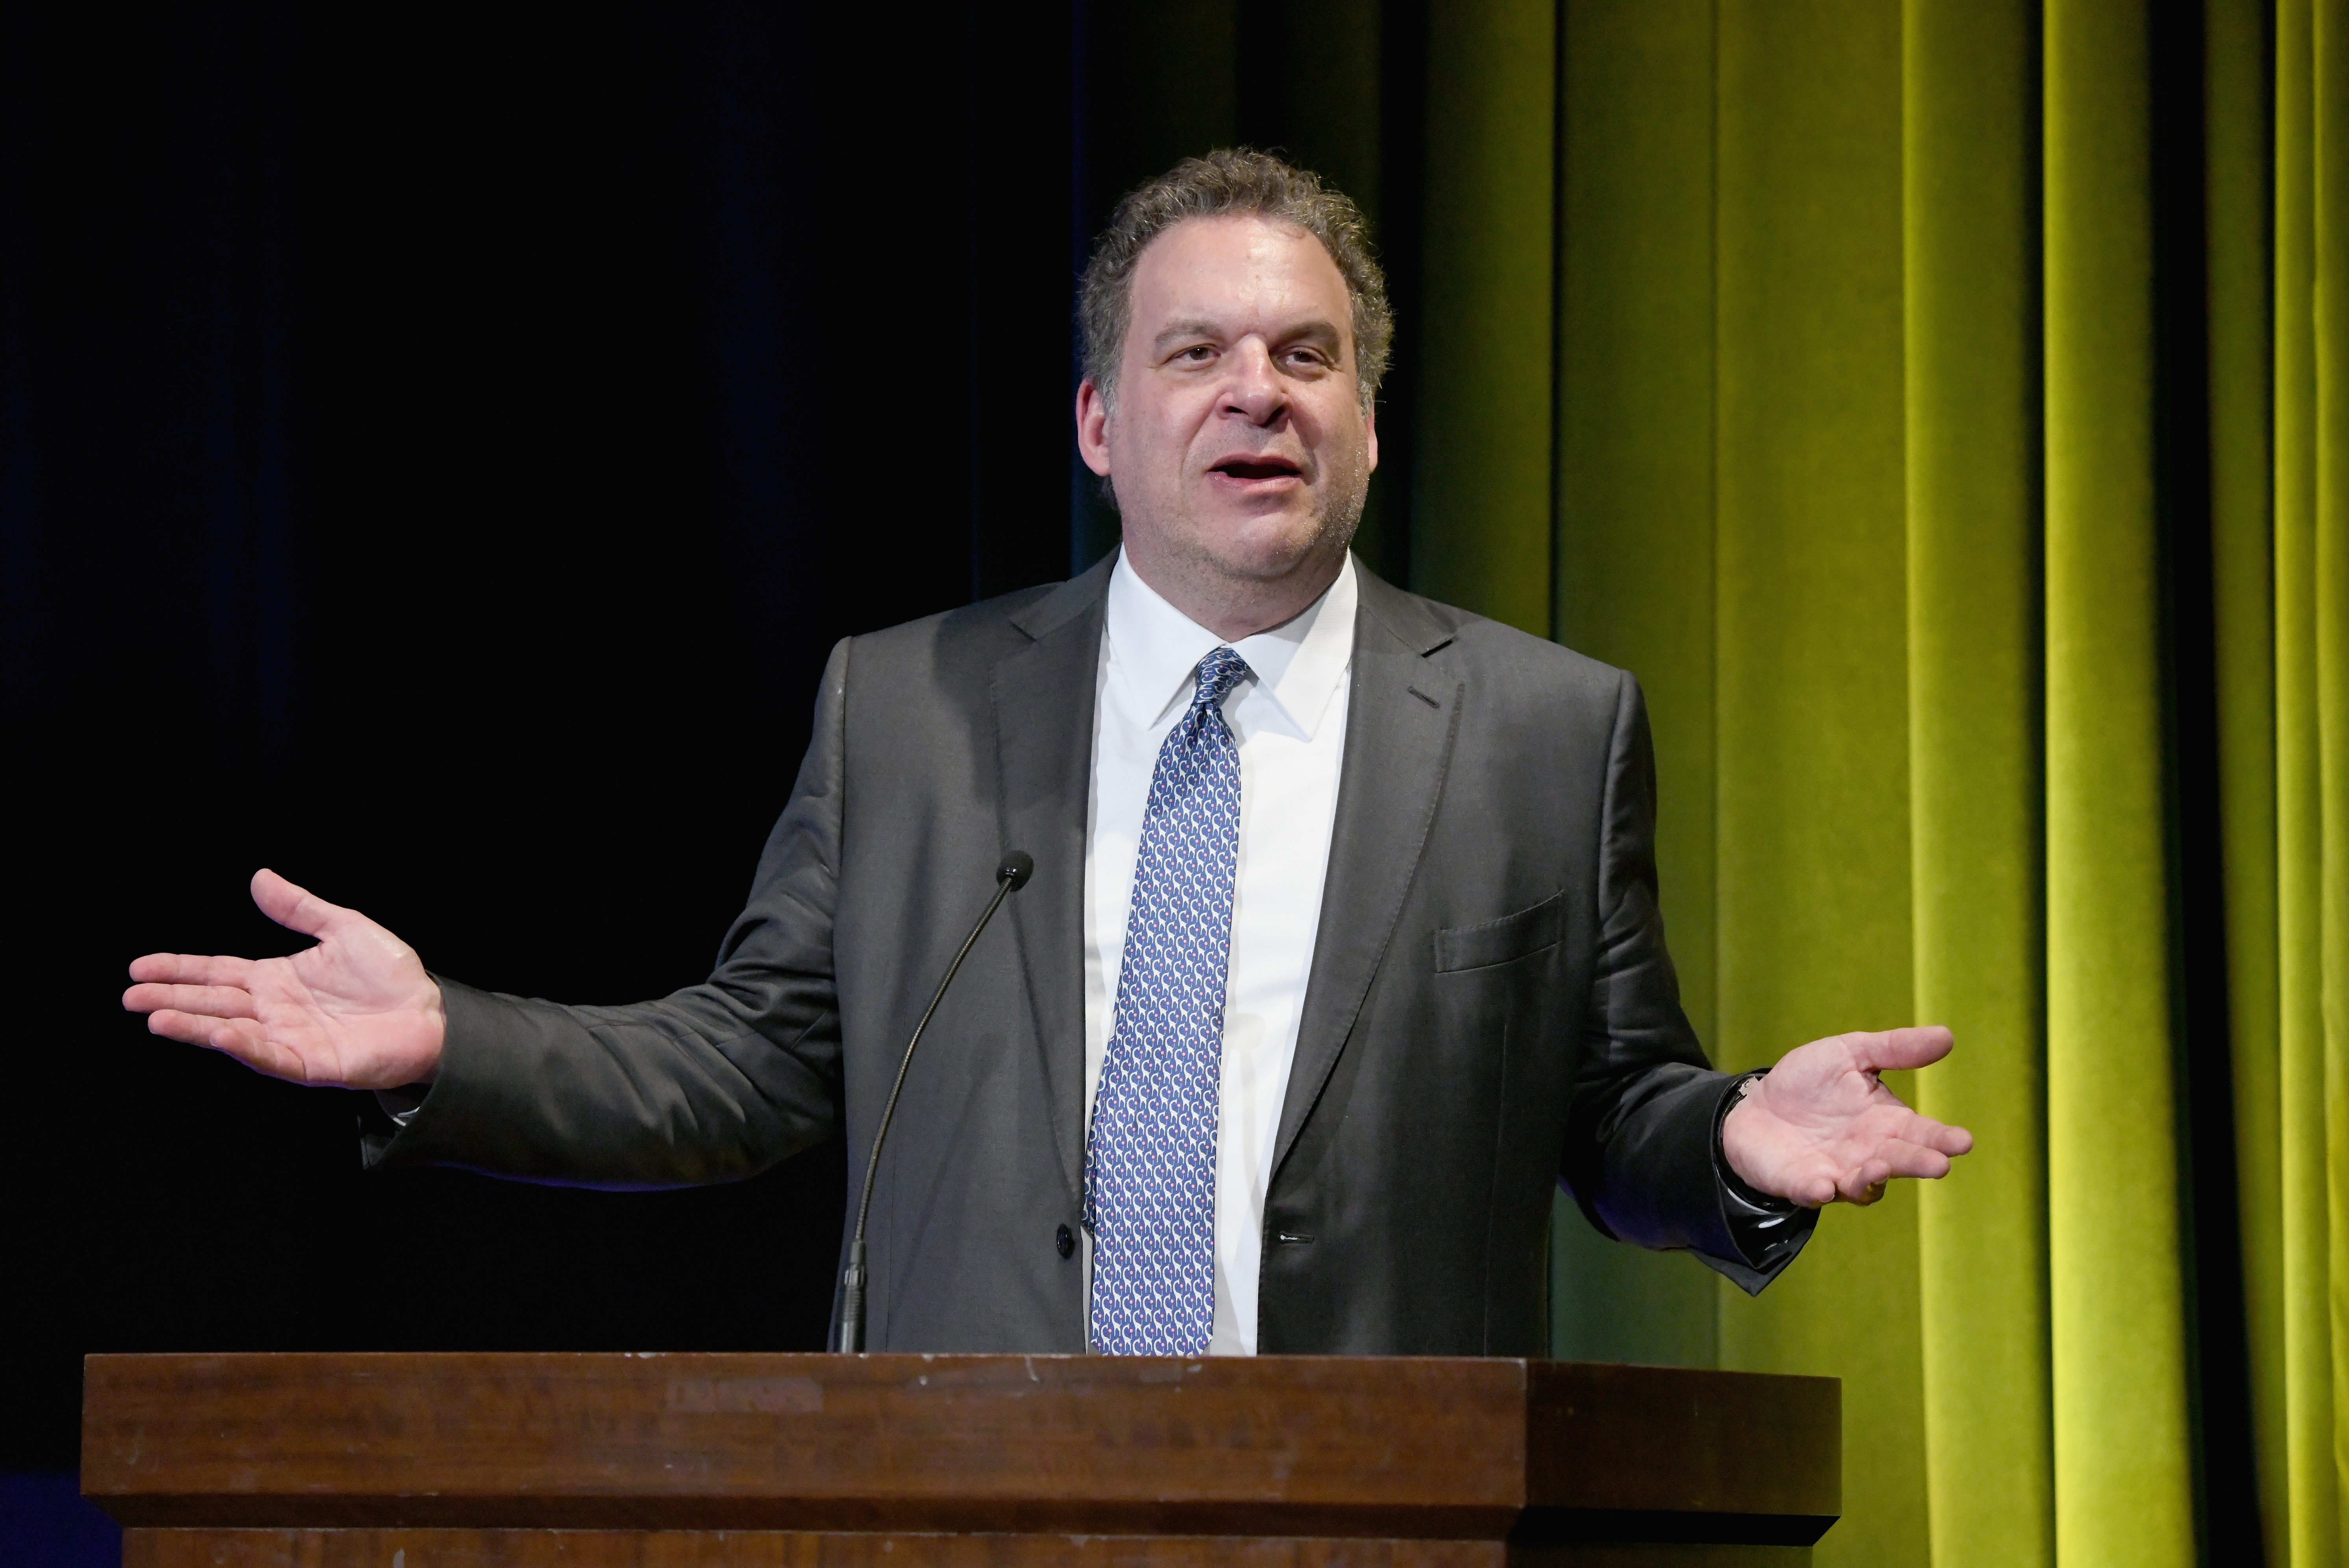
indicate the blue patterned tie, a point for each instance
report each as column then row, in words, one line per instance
column 1150, row 1165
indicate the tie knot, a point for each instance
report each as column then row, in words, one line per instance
column 1218, row 673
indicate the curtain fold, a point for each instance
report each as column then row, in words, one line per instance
column 1812, row 890
column 1971, row 272
column 2313, row 579
column 2237, row 202
column 1482, row 469
column 2330, row 323
column 2123, row 1475
column 2314, row 1128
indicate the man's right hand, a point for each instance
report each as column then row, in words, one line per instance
column 356, row 1010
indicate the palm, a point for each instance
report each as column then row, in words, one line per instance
column 1823, row 1127
column 358, row 1009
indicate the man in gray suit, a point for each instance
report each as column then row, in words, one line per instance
column 1341, row 950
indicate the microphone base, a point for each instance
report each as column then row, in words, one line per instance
column 848, row 1339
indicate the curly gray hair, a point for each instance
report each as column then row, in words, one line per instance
column 1232, row 181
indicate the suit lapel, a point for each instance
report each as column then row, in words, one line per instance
column 1403, row 713
column 1043, row 697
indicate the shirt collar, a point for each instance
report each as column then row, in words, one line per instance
column 1155, row 649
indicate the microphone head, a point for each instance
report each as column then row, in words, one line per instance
column 1016, row 869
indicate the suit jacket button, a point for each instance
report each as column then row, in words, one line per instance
column 1064, row 1241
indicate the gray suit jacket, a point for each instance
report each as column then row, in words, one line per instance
column 1490, row 1010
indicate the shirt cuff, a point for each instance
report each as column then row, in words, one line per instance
column 1768, row 1230
column 402, row 1103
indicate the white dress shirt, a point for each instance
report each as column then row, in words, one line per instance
column 1290, row 720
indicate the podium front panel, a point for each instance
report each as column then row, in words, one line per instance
column 403, row 1460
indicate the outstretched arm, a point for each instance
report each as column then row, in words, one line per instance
column 1641, row 1154
column 1822, row 1128
column 356, row 1011
column 712, row 1083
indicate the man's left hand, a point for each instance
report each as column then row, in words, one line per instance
column 1822, row 1128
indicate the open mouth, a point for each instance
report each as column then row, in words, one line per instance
column 1251, row 470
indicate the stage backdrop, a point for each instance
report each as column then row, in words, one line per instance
column 1948, row 421
column 435, row 460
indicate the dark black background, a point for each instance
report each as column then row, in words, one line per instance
column 437, row 449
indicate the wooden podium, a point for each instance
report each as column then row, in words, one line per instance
column 417, row 1461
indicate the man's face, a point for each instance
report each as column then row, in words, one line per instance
column 1238, row 447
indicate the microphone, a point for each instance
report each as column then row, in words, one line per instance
column 1010, row 874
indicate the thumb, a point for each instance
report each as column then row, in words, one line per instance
column 1896, row 1049
column 295, row 909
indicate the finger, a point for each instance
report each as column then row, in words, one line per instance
column 1896, row 1049
column 191, row 969
column 1864, row 1183
column 1912, row 1127
column 1816, row 1191
column 1898, row 1156
column 239, row 1038
column 1808, row 1179
column 1858, row 1185
column 1891, row 1118
column 202, row 1001
column 295, row 909
column 193, row 1028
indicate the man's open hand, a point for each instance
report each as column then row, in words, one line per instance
column 1821, row 1127
column 356, row 1010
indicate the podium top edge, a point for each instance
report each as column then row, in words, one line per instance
column 757, row 1436
column 892, row 1361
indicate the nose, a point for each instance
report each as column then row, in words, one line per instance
column 1255, row 391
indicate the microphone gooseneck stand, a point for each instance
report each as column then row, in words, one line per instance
column 1011, row 876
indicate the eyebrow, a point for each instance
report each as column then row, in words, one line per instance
column 1319, row 330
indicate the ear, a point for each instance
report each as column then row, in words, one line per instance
column 1092, row 427
column 1371, row 430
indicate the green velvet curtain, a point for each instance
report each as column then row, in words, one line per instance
column 1827, row 365
column 2282, row 579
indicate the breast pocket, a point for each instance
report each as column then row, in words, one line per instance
column 1505, row 941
